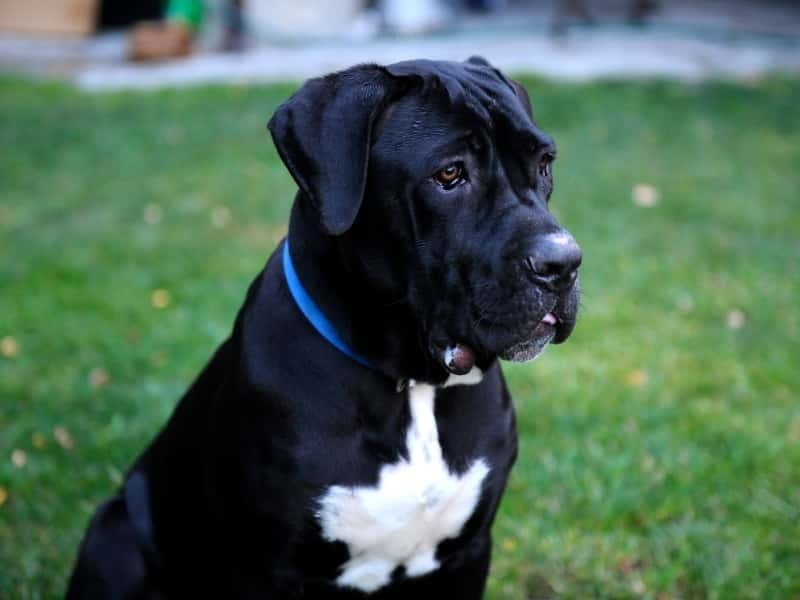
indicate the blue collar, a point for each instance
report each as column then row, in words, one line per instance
column 313, row 313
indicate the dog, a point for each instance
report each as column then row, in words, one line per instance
column 353, row 436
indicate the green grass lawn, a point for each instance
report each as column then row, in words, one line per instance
column 660, row 447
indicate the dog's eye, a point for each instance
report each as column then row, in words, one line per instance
column 450, row 176
column 544, row 164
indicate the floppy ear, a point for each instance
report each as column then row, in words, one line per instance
column 323, row 135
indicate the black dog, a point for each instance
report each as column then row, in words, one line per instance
column 354, row 434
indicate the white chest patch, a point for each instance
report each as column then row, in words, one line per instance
column 415, row 505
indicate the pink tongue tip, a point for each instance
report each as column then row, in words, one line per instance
column 550, row 319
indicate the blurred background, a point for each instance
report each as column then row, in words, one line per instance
column 140, row 194
column 113, row 44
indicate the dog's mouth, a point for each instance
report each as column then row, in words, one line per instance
column 528, row 349
column 459, row 358
column 518, row 331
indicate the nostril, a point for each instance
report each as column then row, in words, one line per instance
column 557, row 271
column 537, row 267
column 548, row 270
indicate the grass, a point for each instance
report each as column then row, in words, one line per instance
column 660, row 447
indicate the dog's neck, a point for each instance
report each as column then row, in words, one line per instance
column 386, row 333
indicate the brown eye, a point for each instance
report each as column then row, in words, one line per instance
column 449, row 176
column 544, row 164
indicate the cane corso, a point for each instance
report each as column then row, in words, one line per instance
column 353, row 436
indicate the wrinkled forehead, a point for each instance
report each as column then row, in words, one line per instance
column 415, row 121
column 451, row 103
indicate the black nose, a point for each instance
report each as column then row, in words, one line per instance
column 554, row 260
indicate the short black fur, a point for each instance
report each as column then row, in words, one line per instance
column 223, row 502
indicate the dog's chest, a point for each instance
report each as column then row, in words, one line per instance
column 415, row 505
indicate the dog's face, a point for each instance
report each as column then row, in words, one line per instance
column 454, row 217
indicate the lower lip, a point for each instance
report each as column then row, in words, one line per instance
column 546, row 325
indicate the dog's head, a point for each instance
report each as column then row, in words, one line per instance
column 435, row 181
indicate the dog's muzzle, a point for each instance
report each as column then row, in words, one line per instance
column 553, row 263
